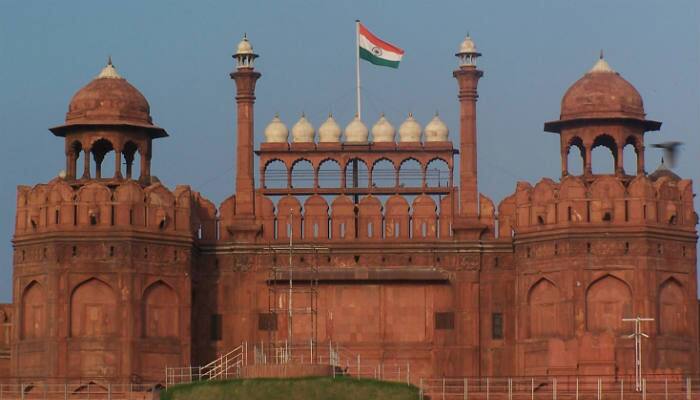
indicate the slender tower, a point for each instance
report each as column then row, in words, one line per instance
column 245, row 77
column 468, row 78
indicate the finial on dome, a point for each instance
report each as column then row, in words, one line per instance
column 601, row 65
column 109, row 71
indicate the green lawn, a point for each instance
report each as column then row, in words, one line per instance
column 325, row 388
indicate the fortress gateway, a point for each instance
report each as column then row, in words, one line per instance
column 392, row 258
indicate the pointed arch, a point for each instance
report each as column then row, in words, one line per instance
column 608, row 300
column 160, row 313
column 542, row 300
column 673, row 313
column 93, row 309
column 33, row 317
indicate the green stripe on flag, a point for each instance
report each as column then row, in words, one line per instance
column 368, row 56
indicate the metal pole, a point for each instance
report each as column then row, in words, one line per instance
column 532, row 389
column 109, row 391
column 666, row 388
column 577, row 388
column 443, row 388
column 420, row 385
column 408, row 372
column 357, row 67
column 358, row 368
column 510, row 389
column 644, row 389
column 688, row 390
column 554, row 389
column 622, row 389
column 600, row 389
column 487, row 389
column 466, row 388
column 65, row 391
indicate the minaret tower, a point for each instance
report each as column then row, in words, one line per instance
column 467, row 76
column 245, row 77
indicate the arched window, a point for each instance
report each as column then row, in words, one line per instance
column 275, row 175
column 329, row 174
column 672, row 309
column 160, row 311
column 542, row 300
column 132, row 160
column 103, row 154
column 608, row 300
column 411, row 173
column 93, row 310
column 33, row 312
column 302, row 174
column 575, row 156
column 629, row 156
column 437, row 173
column 603, row 155
column 356, row 174
column 383, row 174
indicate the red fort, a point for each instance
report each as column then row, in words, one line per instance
column 396, row 256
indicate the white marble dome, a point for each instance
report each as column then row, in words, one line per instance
column 410, row 130
column 467, row 45
column 276, row 131
column 436, row 130
column 329, row 131
column 244, row 46
column 303, row 131
column 383, row 131
column 356, row 131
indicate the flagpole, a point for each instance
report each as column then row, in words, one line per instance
column 357, row 66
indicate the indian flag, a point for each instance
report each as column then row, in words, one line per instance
column 377, row 51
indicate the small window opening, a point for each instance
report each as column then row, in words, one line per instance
column 683, row 251
column 659, row 248
column 175, row 255
column 342, row 230
column 607, row 217
column 627, row 212
column 74, row 251
column 44, row 253
column 199, row 232
column 57, row 217
column 215, row 327
column 301, row 259
column 644, row 211
column 627, row 247
column 528, row 252
column 23, row 255
column 111, row 216
column 75, row 215
column 424, row 229
column 93, row 219
column 672, row 220
column 111, row 251
column 588, row 247
column 497, row 326
column 568, row 214
column 396, row 229
column 556, row 249
column 410, row 259
column 357, row 259
column 540, row 220
column 444, row 320
column 145, row 252
column 495, row 261
column 315, row 230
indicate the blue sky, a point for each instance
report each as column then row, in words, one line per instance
column 178, row 53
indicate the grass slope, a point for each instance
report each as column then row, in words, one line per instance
column 292, row 389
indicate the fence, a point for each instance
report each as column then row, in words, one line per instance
column 343, row 361
column 561, row 388
column 78, row 391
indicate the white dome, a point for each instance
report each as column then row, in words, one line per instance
column 276, row 131
column 302, row 131
column 467, row 46
column 410, row 129
column 329, row 131
column 383, row 131
column 244, row 47
column 356, row 131
column 436, row 130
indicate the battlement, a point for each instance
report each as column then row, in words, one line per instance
column 604, row 201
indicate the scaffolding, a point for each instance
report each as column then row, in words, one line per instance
column 293, row 295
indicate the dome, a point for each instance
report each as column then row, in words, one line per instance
column 276, row 131
column 356, row 131
column 436, row 130
column 602, row 93
column 467, row 45
column 329, row 131
column 244, row 46
column 302, row 131
column 383, row 131
column 661, row 171
column 410, row 130
column 109, row 100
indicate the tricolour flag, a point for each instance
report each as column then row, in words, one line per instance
column 377, row 51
